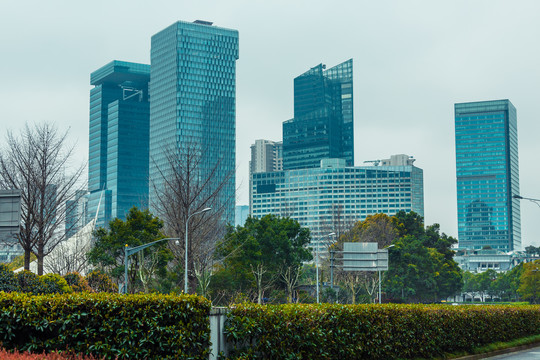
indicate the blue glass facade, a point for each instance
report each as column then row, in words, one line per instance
column 487, row 174
column 318, row 198
column 193, row 92
column 322, row 126
column 119, row 136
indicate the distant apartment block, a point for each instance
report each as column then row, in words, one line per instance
column 487, row 175
column 241, row 215
column 322, row 126
column 118, row 140
column 335, row 194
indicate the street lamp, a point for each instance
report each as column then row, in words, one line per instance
column 317, row 266
column 130, row 251
column 186, row 257
column 519, row 197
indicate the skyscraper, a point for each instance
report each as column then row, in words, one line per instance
column 193, row 92
column 118, row 145
column 487, row 174
column 322, row 126
column 266, row 156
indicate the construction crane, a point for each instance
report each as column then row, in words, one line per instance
column 374, row 162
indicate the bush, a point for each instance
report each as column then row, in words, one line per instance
column 28, row 282
column 107, row 325
column 8, row 282
column 101, row 282
column 330, row 331
column 16, row 355
column 54, row 284
column 77, row 282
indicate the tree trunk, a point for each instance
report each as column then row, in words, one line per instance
column 27, row 259
column 40, row 256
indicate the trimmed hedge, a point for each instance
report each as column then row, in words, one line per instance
column 330, row 331
column 107, row 325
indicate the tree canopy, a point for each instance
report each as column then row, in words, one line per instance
column 140, row 227
column 253, row 257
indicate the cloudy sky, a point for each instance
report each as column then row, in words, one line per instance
column 412, row 61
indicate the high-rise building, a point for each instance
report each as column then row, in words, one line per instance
column 335, row 196
column 322, row 126
column 76, row 213
column 266, row 156
column 118, row 146
column 487, row 174
column 193, row 92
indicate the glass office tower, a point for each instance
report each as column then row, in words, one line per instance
column 487, row 175
column 193, row 92
column 118, row 145
column 322, row 126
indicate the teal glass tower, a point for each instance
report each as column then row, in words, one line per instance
column 322, row 126
column 193, row 93
column 118, row 140
column 487, row 173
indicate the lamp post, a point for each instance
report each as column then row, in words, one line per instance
column 317, row 267
column 186, row 257
column 519, row 197
column 130, row 251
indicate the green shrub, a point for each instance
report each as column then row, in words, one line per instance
column 77, row 282
column 28, row 282
column 54, row 284
column 8, row 282
column 330, row 331
column 101, row 282
column 107, row 325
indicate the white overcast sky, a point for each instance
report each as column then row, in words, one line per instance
column 412, row 61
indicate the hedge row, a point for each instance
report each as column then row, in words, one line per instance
column 28, row 282
column 391, row 331
column 107, row 325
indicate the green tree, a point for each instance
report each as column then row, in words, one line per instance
column 529, row 287
column 261, row 254
column 140, row 227
column 421, row 265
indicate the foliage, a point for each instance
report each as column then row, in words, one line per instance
column 263, row 253
column 18, row 262
column 377, row 228
column 8, row 281
column 77, row 282
column 421, row 267
column 529, row 287
column 372, row 331
column 16, row 355
column 107, row 325
column 54, row 284
column 28, row 282
column 98, row 281
column 140, row 227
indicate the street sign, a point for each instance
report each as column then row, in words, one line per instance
column 364, row 256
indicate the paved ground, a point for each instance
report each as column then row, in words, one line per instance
column 529, row 354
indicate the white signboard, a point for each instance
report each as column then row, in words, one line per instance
column 364, row 256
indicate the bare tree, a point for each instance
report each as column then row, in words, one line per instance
column 290, row 276
column 35, row 162
column 263, row 282
column 188, row 183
